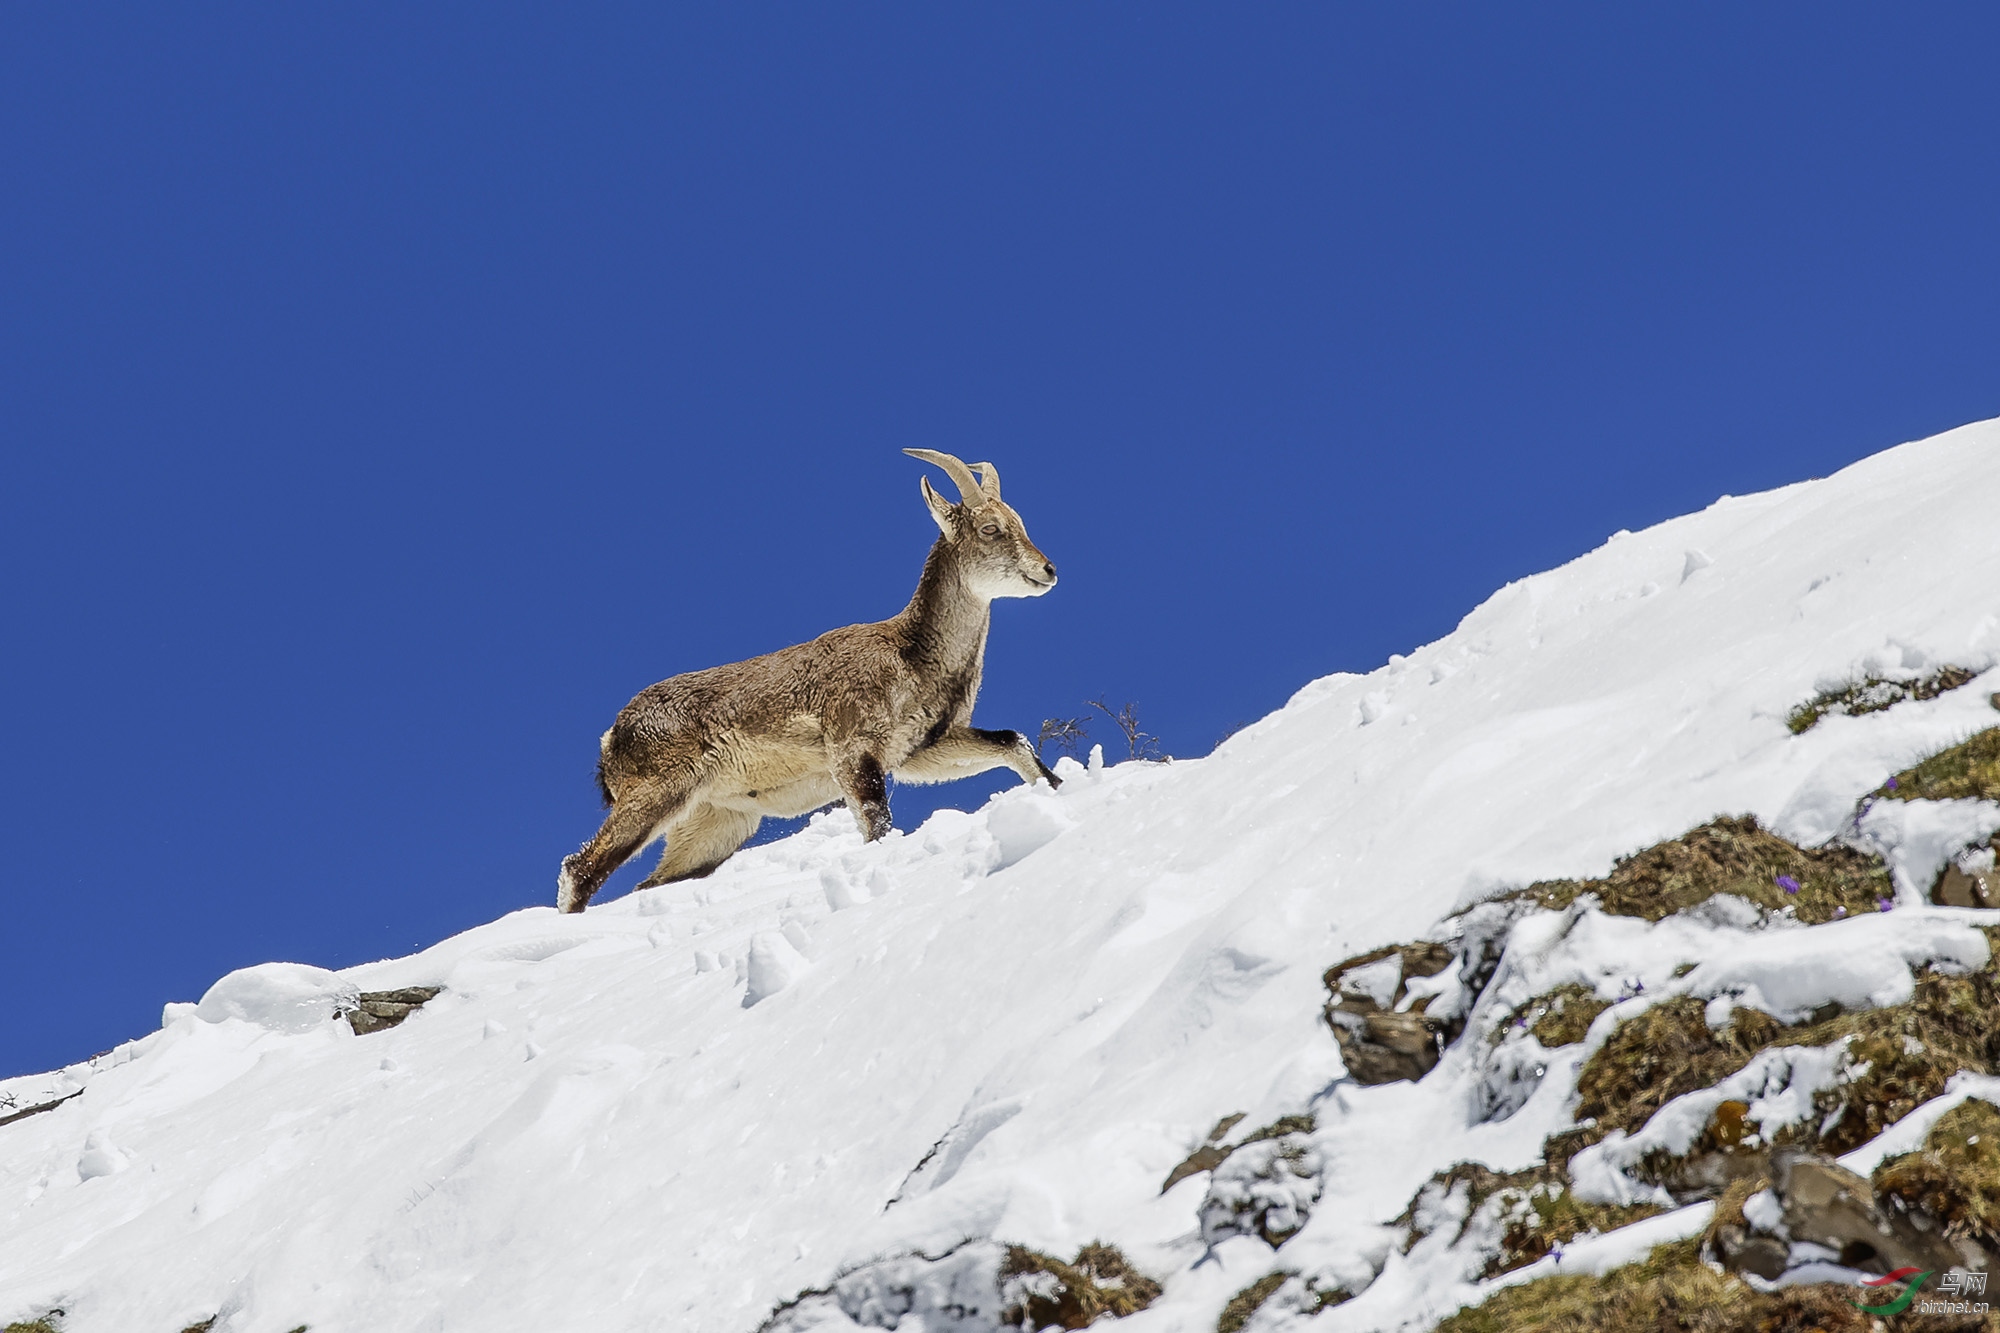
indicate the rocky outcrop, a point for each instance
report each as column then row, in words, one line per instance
column 377, row 1010
column 1812, row 1200
column 1971, row 878
column 1384, row 1034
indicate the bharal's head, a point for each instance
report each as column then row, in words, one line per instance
column 989, row 538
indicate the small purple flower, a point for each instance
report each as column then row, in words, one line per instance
column 1788, row 884
column 1840, row 911
column 1891, row 784
column 1884, row 903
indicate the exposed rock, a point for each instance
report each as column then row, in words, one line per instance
column 1825, row 1204
column 375, row 1010
column 1388, row 1047
column 1704, row 1175
column 1970, row 879
column 1381, row 1040
column 1766, row 1256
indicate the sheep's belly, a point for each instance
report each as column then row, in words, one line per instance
column 775, row 778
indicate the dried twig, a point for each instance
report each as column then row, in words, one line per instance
column 1069, row 734
column 1140, row 744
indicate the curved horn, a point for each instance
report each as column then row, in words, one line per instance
column 989, row 481
column 968, row 486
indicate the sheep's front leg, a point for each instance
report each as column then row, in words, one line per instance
column 963, row 751
column 866, row 786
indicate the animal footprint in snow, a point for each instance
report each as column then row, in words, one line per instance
column 101, row 1157
column 841, row 890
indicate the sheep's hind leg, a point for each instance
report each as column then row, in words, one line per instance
column 699, row 841
column 635, row 817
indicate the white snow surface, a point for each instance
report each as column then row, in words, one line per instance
column 689, row 1105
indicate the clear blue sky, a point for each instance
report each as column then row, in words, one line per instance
column 388, row 393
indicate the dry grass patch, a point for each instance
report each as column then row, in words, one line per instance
column 1874, row 694
column 1559, row 1018
column 1970, row 769
column 1955, row 1176
column 1729, row 1208
column 1911, row 1051
column 1309, row 1299
column 1670, row 1289
column 1546, row 1215
column 1732, row 855
column 1207, row 1157
column 1673, row 1291
column 1269, row 1189
column 1734, row 1243
column 1277, row 1129
column 1043, row 1290
column 1901, row 1057
column 1247, row 1302
column 1664, row 1052
column 1536, row 1209
column 1214, row 1152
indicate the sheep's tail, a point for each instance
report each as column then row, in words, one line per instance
column 603, row 748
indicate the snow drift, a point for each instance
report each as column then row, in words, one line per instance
column 689, row 1106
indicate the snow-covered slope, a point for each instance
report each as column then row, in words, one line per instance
column 691, row 1104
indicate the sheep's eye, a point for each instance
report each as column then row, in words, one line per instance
column 990, row 530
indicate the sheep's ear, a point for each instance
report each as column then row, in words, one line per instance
column 941, row 508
